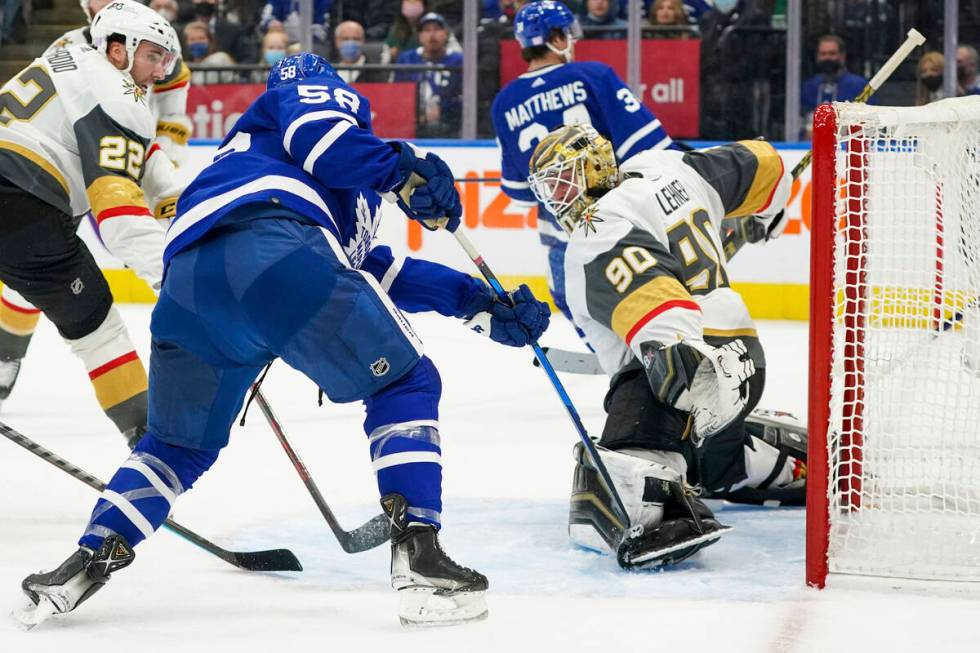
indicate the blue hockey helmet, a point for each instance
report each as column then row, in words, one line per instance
column 535, row 20
column 298, row 67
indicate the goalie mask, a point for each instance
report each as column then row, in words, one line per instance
column 570, row 169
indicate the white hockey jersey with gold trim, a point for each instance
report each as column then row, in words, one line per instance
column 75, row 132
column 648, row 264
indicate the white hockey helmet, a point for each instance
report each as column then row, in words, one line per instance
column 135, row 22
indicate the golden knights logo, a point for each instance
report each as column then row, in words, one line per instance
column 131, row 88
column 590, row 219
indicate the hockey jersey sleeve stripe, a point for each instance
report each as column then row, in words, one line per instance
column 731, row 333
column 176, row 131
column 38, row 161
column 640, row 133
column 111, row 191
column 391, row 274
column 153, row 150
column 642, row 305
column 324, row 144
column 766, row 180
column 663, row 308
column 116, row 211
column 287, row 139
column 178, row 79
column 267, row 183
column 509, row 183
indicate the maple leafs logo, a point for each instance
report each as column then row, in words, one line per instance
column 367, row 224
column 131, row 88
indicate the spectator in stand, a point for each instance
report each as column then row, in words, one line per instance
column 832, row 83
column 227, row 36
column 200, row 51
column 275, row 45
column 966, row 70
column 166, row 8
column 12, row 11
column 602, row 13
column 439, row 91
column 286, row 14
column 348, row 40
column 670, row 13
column 929, row 78
column 403, row 35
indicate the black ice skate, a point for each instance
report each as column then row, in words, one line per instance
column 433, row 590
column 8, row 377
column 78, row 578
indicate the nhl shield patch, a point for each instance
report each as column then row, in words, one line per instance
column 380, row 367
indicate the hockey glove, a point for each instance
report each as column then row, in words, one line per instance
column 516, row 324
column 771, row 227
column 427, row 193
column 719, row 390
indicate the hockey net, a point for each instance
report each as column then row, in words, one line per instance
column 894, row 463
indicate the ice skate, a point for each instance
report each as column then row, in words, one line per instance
column 79, row 577
column 8, row 377
column 433, row 590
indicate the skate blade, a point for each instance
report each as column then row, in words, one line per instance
column 423, row 607
column 31, row 616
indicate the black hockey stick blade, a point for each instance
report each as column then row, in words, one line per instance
column 375, row 532
column 366, row 536
column 274, row 560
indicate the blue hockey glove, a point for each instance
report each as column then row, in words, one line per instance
column 516, row 324
column 427, row 193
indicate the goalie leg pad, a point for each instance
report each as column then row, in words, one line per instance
column 667, row 525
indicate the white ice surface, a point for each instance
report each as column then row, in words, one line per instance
column 506, row 450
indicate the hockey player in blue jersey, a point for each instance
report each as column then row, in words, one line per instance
column 271, row 256
column 556, row 91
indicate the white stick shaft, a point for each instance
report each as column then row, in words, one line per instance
column 912, row 41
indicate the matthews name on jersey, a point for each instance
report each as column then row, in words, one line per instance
column 167, row 98
column 537, row 102
column 648, row 264
column 75, row 132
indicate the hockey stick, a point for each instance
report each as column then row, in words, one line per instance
column 273, row 560
column 913, row 40
column 367, row 536
column 491, row 278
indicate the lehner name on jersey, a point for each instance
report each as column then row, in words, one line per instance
column 561, row 97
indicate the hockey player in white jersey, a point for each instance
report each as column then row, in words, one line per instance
column 75, row 136
column 167, row 98
column 646, row 280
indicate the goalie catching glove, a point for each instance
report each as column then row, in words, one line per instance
column 428, row 193
column 517, row 323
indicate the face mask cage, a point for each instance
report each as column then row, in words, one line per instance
column 560, row 187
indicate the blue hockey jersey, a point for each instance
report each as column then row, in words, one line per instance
column 537, row 102
column 307, row 149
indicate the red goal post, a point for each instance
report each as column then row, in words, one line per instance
column 894, row 377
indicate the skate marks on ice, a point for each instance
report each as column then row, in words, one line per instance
column 523, row 548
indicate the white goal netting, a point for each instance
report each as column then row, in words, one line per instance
column 904, row 432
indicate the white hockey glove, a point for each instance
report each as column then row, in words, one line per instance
column 719, row 391
column 772, row 225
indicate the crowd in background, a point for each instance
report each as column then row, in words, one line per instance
column 742, row 49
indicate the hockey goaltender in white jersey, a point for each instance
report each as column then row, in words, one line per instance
column 646, row 281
